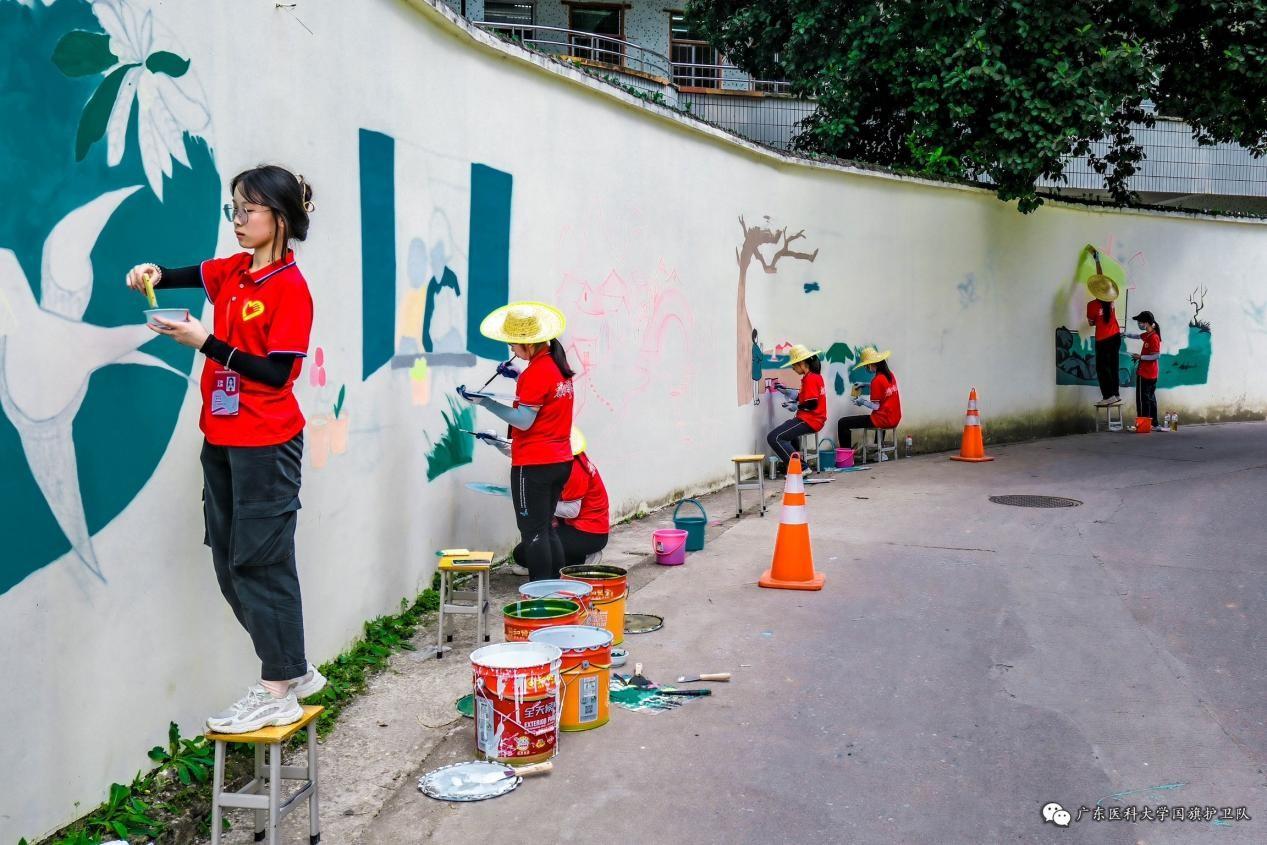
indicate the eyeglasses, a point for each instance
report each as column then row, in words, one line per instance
column 234, row 214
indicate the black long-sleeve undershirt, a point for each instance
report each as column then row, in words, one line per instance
column 180, row 277
column 272, row 370
column 808, row 404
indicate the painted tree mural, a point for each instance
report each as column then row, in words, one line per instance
column 754, row 238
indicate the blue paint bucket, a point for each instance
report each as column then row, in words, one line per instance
column 826, row 457
column 693, row 525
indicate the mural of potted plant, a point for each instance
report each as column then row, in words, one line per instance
column 319, row 440
column 339, row 425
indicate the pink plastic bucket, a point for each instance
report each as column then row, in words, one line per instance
column 670, row 546
column 844, row 458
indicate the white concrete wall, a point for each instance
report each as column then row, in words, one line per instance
column 636, row 238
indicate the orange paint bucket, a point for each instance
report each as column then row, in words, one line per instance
column 611, row 586
column 585, row 671
column 516, row 689
column 521, row 618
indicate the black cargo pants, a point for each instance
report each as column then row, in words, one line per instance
column 251, row 503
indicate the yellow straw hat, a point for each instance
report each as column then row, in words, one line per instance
column 578, row 441
column 799, row 353
column 524, row 322
column 1102, row 287
column 870, row 355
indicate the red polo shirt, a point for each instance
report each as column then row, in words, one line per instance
column 587, row 485
column 884, row 393
column 1104, row 329
column 549, row 439
column 259, row 313
column 1152, row 346
column 812, row 388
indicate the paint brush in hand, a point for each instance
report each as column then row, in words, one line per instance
column 148, row 279
column 500, row 369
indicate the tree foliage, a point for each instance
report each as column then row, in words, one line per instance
column 1005, row 90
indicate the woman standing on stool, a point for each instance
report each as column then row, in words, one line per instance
column 254, row 431
column 540, row 423
column 885, row 406
column 811, row 405
column 1108, row 335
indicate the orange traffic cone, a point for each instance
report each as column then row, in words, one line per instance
column 793, row 564
column 973, row 446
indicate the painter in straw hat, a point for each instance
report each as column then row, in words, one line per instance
column 799, row 352
column 870, row 355
column 540, row 420
column 1103, row 288
column 524, row 323
column 809, row 402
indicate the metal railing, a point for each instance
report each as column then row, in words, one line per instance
column 586, row 46
column 723, row 77
column 773, row 121
column 1177, row 164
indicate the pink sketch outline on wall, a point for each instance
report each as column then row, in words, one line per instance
column 628, row 327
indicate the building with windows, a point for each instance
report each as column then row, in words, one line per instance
column 648, row 46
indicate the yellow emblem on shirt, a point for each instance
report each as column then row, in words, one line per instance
column 251, row 309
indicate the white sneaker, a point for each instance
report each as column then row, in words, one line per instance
column 310, row 684
column 516, row 569
column 257, row 709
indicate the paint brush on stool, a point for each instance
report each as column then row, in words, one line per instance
column 712, row 676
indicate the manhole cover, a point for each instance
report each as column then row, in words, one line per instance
column 1035, row 501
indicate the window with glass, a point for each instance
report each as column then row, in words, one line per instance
column 694, row 59
column 517, row 17
column 598, row 33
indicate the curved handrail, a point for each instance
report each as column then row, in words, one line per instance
column 590, row 46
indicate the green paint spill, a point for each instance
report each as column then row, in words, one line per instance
column 454, row 448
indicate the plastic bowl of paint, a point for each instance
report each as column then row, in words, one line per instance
column 171, row 315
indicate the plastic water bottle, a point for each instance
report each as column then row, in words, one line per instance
column 910, row 445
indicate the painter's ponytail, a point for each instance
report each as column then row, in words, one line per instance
column 560, row 358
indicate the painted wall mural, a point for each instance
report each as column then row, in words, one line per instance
column 424, row 323
column 457, row 264
column 1186, row 365
column 116, row 124
column 755, row 238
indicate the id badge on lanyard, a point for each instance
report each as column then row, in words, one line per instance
column 225, row 394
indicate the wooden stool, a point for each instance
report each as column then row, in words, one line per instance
column 758, row 485
column 877, row 445
column 269, row 807
column 454, row 563
column 1112, row 416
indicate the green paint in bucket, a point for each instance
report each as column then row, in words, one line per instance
column 521, row 618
